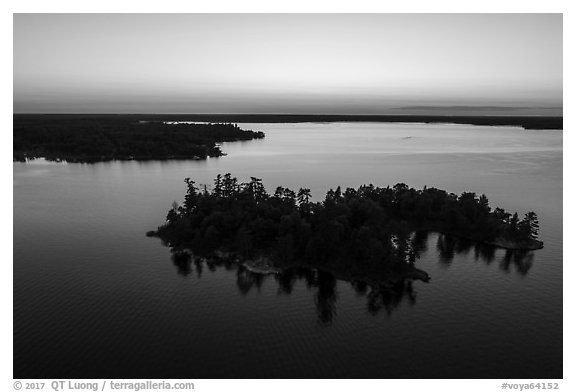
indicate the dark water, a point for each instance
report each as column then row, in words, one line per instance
column 94, row 297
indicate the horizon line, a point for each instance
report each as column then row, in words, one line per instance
column 281, row 114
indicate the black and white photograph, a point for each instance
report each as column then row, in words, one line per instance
column 287, row 196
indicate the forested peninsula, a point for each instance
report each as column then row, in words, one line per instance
column 103, row 138
column 359, row 234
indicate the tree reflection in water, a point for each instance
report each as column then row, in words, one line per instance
column 518, row 260
column 385, row 296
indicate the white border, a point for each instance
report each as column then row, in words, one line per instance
column 245, row 6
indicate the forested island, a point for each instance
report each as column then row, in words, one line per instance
column 362, row 234
column 96, row 138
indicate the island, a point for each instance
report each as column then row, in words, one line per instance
column 363, row 234
column 94, row 138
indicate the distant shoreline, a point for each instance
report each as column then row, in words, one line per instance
column 526, row 122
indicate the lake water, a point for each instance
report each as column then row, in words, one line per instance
column 95, row 298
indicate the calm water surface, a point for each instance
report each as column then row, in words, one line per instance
column 94, row 297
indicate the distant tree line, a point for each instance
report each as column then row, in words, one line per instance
column 90, row 139
column 364, row 230
column 527, row 122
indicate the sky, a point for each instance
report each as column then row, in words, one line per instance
column 287, row 63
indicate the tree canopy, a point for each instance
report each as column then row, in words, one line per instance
column 102, row 138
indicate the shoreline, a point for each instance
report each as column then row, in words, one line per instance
column 523, row 121
column 264, row 265
column 104, row 158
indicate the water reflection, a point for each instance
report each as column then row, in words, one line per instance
column 323, row 285
column 379, row 296
column 448, row 246
column 521, row 260
column 246, row 280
